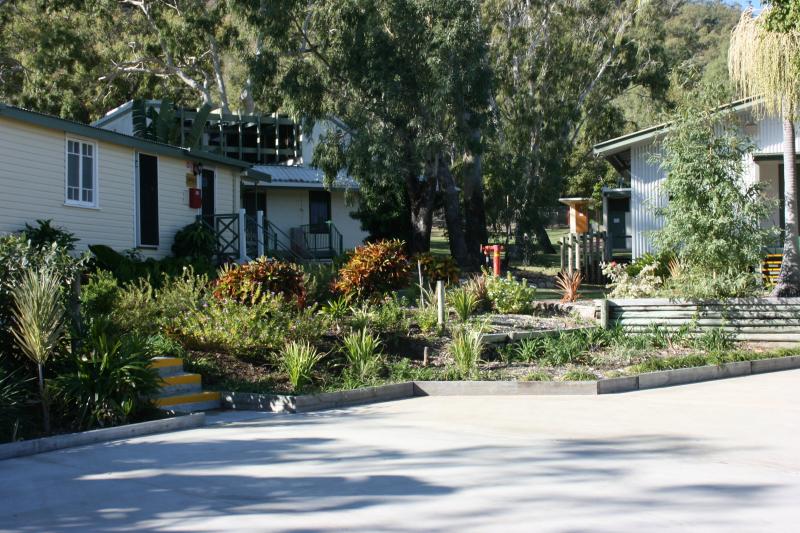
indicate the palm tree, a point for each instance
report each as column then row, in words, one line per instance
column 38, row 322
column 765, row 64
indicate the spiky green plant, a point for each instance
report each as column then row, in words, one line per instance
column 38, row 322
column 362, row 350
column 465, row 348
column 464, row 302
column 298, row 360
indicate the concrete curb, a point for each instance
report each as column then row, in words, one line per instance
column 503, row 388
column 278, row 403
column 685, row 376
column 71, row 440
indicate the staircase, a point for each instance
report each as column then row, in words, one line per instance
column 771, row 267
column 181, row 391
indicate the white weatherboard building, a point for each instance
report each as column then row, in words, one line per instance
column 109, row 187
column 629, row 211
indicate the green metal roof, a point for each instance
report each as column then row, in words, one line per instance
column 113, row 137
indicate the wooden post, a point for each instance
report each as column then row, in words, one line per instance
column 440, row 303
column 421, row 294
column 578, row 253
column 425, row 356
column 563, row 255
column 603, row 306
column 570, row 253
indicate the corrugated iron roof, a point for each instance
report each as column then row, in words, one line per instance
column 303, row 177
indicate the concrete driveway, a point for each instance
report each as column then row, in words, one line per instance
column 718, row 456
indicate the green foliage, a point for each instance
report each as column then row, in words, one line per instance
column 714, row 341
column 659, row 263
column 135, row 308
column 12, row 400
column 374, row 270
column 579, row 374
column 437, row 267
column 99, row 294
column 45, row 234
column 298, row 360
column 537, row 376
column 130, row 267
column 427, row 319
column 713, row 219
column 464, row 302
column 108, row 384
column 260, row 278
column 319, row 278
column 509, row 295
column 250, row 331
column 364, row 358
column 179, row 296
column 38, row 314
column 160, row 345
column 465, row 348
column 195, row 241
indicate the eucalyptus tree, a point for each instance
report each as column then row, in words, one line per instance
column 765, row 64
column 404, row 83
column 558, row 66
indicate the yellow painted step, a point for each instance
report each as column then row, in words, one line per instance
column 195, row 397
column 162, row 362
column 182, row 379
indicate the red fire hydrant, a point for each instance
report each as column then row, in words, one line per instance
column 494, row 251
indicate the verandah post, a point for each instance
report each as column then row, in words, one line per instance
column 260, row 232
column 242, row 236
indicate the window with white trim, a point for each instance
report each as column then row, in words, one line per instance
column 81, row 173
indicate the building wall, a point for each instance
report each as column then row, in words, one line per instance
column 646, row 178
column 32, row 173
column 288, row 208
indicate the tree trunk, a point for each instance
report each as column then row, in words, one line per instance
column 542, row 238
column 420, row 202
column 789, row 277
column 43, row 397
column 452, row 214
column 474, row 205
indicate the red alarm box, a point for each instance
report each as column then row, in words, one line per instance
column 195, row 198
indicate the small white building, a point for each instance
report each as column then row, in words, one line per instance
column 301, row 214
column 629, row 210
column 109, row 187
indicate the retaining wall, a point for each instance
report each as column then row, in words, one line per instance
column 748, row 319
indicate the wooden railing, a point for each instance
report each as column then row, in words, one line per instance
column 585, row 253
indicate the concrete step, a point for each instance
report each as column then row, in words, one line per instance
column 181, row 384
column 167, row 366
column 194, row 401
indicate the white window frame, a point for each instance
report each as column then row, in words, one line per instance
column 95, row 203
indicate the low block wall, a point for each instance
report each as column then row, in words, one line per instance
column 748, row 319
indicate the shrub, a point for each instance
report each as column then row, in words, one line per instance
column 262, row 277
column 318, row 282
column 510, row 296
column 477, row 285
column 160, row 345
column 437, row 267
column 465, row 348
column 45, row 234
column 363, row 356
column 178, row 296
column 374, row 270
column 195, row 241
column 463, row 301
column 38, row 318
column 99, row 294
column 109, row 383
column 569, row 284
column 537, row 376
column 645, row 283
column 12, row 398
column 298, row 360
column 245, row 330
column 659, row 261
column 136, row 309
column 18, row 256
